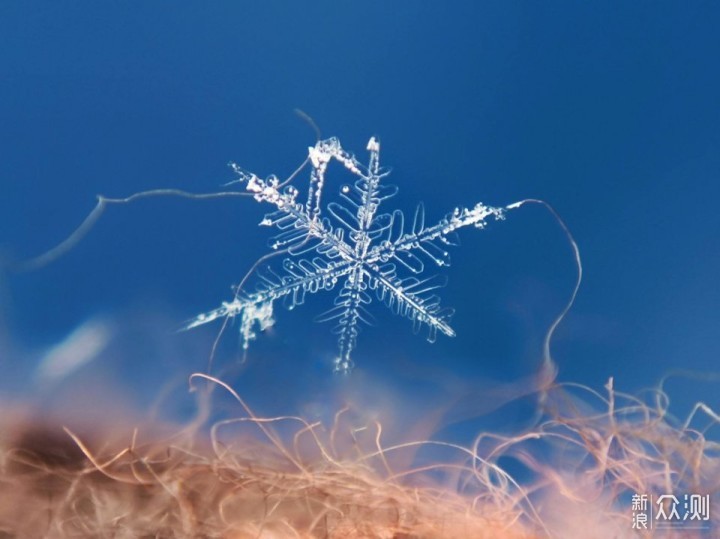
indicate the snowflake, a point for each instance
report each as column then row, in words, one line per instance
column 360, row 251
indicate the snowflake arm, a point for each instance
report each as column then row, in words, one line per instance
column 349, row 311
column 430, row 241
column 256, row 309
column 410, row 298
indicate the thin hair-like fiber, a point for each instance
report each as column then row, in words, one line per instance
column 582, row 462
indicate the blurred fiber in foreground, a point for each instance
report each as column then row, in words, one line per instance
column 250, row 476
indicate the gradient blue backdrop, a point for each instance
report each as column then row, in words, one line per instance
column 609, row 111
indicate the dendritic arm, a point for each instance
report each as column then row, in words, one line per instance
column 320, row 155
column 256, row 308
column 412, row 298
column 353, row 295
column 432, row 240
column 292, row 218
column 349, row 311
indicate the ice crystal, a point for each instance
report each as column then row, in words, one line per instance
column 360, row 251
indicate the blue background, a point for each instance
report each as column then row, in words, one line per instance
column 609, row 111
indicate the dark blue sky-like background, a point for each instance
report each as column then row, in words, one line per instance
column 609, row 111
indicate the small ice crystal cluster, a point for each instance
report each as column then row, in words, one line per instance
column 356, row 249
